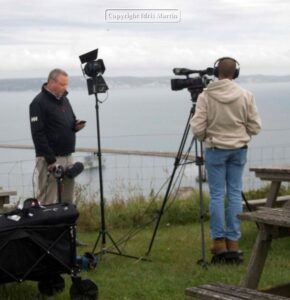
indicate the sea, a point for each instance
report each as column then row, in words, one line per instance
column 147, row 117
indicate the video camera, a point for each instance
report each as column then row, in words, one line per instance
column 197, row 83
column 70, row 172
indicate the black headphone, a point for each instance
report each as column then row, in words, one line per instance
column 216, row 67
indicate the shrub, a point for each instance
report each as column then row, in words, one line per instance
column 139, row 211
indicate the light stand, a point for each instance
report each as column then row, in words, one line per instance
column 103, row 233
column 199, row 162
column 96, row 84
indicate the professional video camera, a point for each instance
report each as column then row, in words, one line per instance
column 70, row 172
column 197, row 83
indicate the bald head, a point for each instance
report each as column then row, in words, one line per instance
column 227, row 68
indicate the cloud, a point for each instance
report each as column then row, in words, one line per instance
column 39, row 35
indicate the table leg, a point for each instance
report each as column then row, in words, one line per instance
column 257, row 260
column 273, row 193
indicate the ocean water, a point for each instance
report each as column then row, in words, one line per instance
column 139, row 118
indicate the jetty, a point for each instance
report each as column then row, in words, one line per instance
column 164, row 154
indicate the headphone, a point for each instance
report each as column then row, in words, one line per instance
column 216, row 67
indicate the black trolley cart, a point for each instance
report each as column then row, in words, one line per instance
column 38, row 243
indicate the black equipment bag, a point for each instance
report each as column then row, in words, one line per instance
column 37, row 242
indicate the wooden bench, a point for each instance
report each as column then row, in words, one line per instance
column 5, row 198
column 220, row 291
column 280, row 201
column 273, row 223
column 279, row 217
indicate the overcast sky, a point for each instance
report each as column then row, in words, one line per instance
column 38, row 35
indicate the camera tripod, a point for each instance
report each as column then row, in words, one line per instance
column 199, row 161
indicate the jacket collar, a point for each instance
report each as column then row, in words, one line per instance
column 45, row 90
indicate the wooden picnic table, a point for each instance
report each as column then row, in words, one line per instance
column 273, row 223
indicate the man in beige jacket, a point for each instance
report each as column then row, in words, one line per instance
column 225, row 119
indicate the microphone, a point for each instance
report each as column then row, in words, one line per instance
column 184, row 71
column 74, row 170
column 71, row 171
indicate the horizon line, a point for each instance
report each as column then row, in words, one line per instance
column 135, row 76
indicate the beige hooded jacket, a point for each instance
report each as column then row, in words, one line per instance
column 226, row 116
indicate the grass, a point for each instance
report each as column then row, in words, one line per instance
column 263, row 191
column 174, row 255
column 173, row 267
column 139, row 210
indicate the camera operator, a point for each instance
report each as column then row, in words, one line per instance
column 53, row 129
column 225, row 119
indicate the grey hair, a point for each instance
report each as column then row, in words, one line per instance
column 53, row 74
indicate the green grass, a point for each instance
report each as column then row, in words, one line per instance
column 173, row 267
column 122, row 214
column 263, row 191
column 174, row 255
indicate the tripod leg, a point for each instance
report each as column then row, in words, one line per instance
column 249, row 206
column 246, row 202
column 161, row 211
column 97, row 241
column 201, row 213
column 168, row 190
column 113, row 242
column 103, row 232
column 200, row 164
column 104, row 245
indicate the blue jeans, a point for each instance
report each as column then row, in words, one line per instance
column 224, row 171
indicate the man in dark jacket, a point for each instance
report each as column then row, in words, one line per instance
column 53, row 129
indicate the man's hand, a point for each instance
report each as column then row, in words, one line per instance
column 51, row 167
column 80, row 124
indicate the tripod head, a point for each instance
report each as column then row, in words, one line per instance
column 194, row 94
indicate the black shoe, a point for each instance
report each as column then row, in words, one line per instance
column 219, row 258
column 240, row 253
column 234, row 257
column 229, row 257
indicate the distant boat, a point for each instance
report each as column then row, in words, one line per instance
column 91, row 161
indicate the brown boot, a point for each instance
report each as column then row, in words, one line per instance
column 232, row 245
column 218, row 246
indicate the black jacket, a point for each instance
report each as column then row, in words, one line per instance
column 52, row 124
